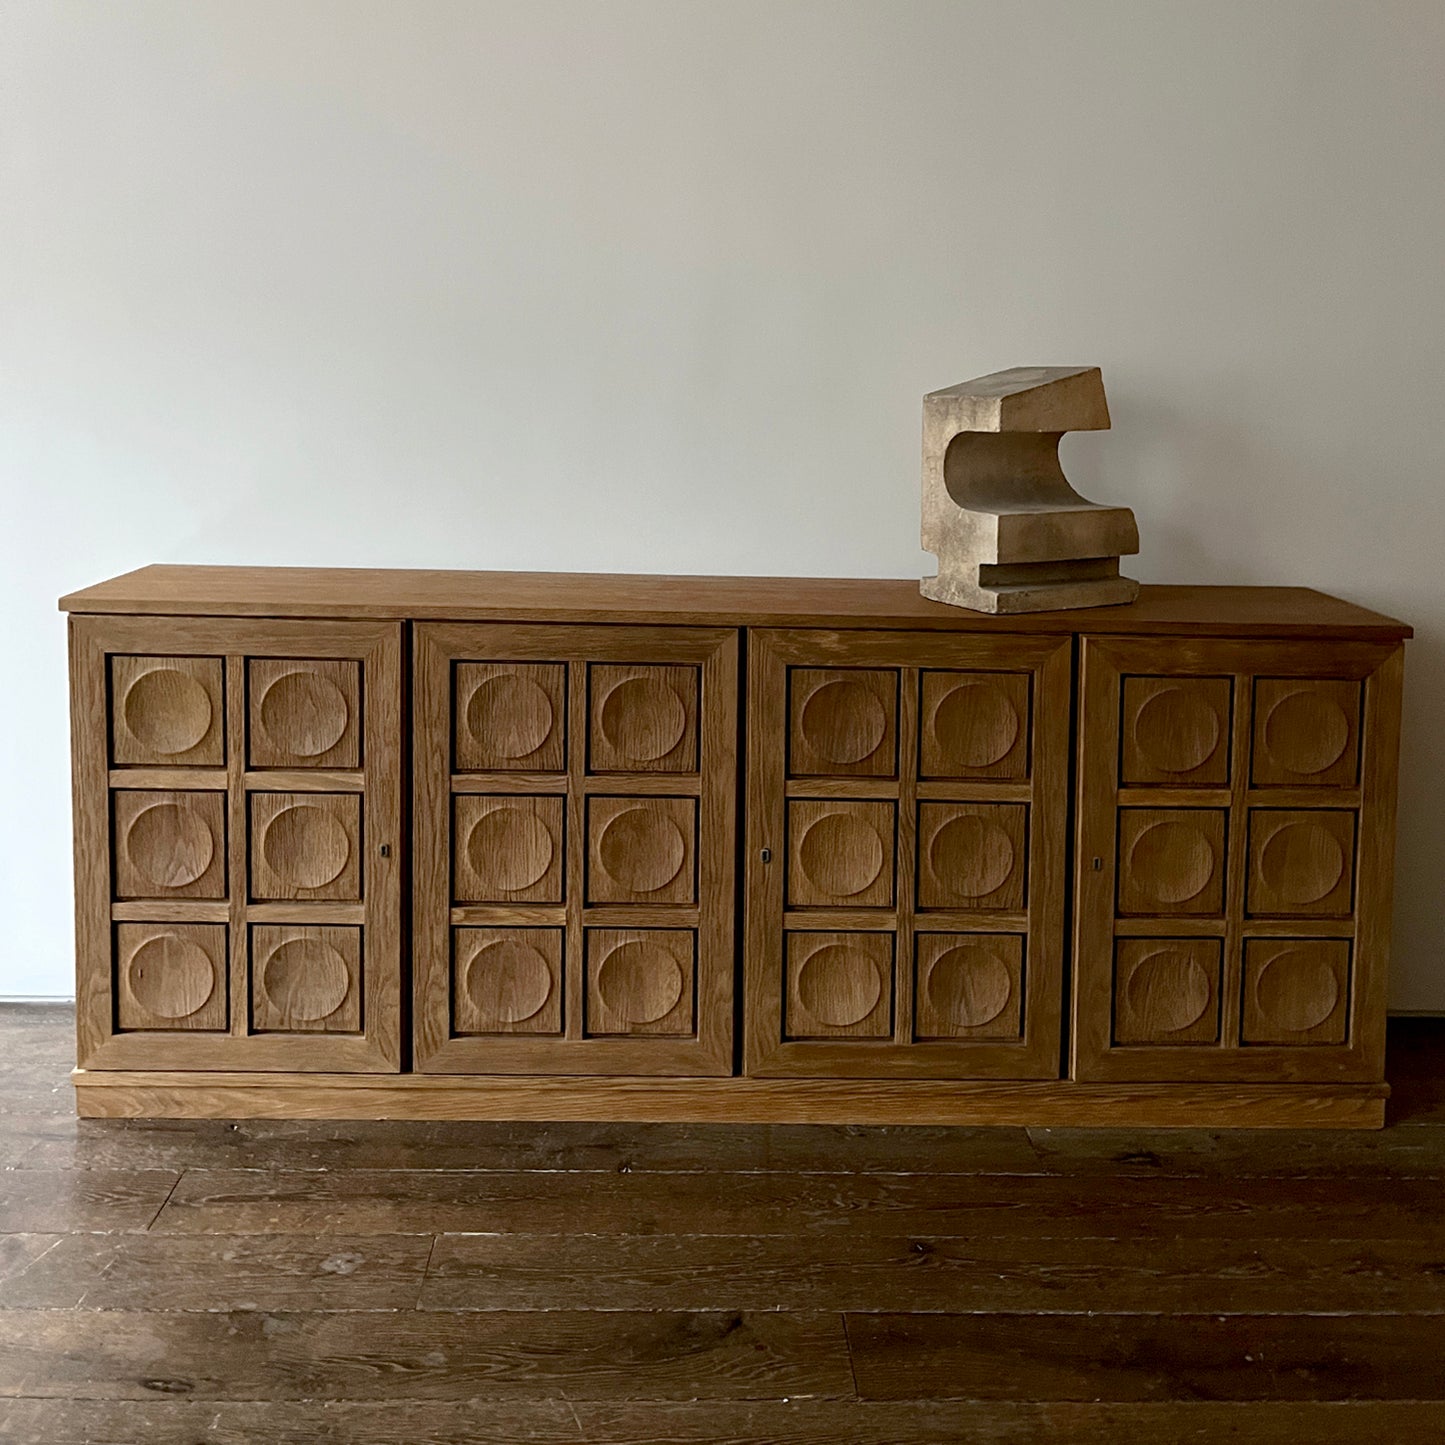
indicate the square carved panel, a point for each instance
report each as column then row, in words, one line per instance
column 1176, row 730
column 1296, row 991
column 169, row 844
column 972, row 855
column 842, row 723
column 641, row 850
column 1171, row 861
column 974, row 725
column 840, row 853
column 507, row 980
column 171, row 976
column 305, row 979
column 167, row 712
column 1166, row 990
column 642, row 718
column 839, row 986
column 304, row 712
column 1301, row 862
column 507, row 849
column 306, row 845
column 510, row 716
column 968, row 986
column 1306, row 732
column 641, row 981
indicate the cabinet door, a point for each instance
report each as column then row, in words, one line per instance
column 907, row 820
column 237, row 842
column 574, row 819
column 1236, row 831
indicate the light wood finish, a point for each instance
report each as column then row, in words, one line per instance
column 1011, row 535
column 1248, row 939
column 399, row 594
column 621, row 1099
column 228, row 913
column 584, row 927
column 244, row 835
column 854, row 904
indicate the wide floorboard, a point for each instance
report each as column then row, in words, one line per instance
column 178, row 1283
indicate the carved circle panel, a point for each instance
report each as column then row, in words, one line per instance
column 304, row 713
column 510, row 848
column 971, row 856
column 1172, row 862
column 508, row 981
column 1177, row 730
column 643, row 719
column 1169, row 989
column 171, row 977
column 841, row 855
column 843, row 722
column 169, row 845
column 642, row 849
column 305, row 979
column 974, row 725
column 1296, row 991
column 1302, row 862
column 839, row 986
column 511, row 715
column 1306, row 733
column 640, row 982
column 306, row 846
column 167, row 711
column 969, row 985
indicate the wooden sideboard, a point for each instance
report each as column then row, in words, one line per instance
column 364, row 844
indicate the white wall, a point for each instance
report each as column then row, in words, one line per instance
column 658, row 285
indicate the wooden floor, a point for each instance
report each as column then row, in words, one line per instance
column 413, row 1284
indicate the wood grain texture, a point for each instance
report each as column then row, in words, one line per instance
column 420, row 1355
column 1133, row 1357
column 219, row 857
column 700, row 601
column 628, row 856
column 1253, row 862
column 641, row 1099
column 906, row 867
column 239, row 1201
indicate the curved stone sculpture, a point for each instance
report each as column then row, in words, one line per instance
column 1010, row 533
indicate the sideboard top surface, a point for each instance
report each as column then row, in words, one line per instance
column 421, row 595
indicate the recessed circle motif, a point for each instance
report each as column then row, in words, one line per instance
column 839, row 986
column 1172, row 862
column 971, row 856
column 306, row 979
column 1177, row 730
column 1302, row 863
column 510, row 715
column 976, row 725
column 1296, row 991
column 168, row 711
column 642, row 850
column 1306, row 733
column 508, row 981
column 304, row 713
column 306, row 846
column 643, row 719
column 171, row 977
column 969, row 986
column 640, row 983
column 1167, row 992
column 841, row 855
column 510, row 848
column 843, row 722
column 169, row 845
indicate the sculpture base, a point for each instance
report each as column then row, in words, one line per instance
column 1034, row 587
